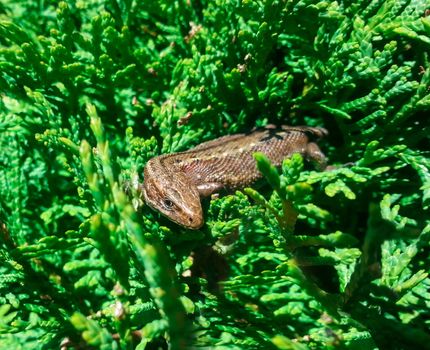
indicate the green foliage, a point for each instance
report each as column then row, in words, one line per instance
column 89, row 91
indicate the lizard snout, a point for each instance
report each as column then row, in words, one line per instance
column 194, row 222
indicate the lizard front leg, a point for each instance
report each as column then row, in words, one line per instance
column 314, row 154
column 206, row 189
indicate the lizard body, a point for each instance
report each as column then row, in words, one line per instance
column 175, row 183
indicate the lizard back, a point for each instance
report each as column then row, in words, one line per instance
column 229, row 161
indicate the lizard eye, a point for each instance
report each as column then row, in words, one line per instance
column 168, row 204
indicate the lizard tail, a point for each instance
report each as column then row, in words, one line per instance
column 313, row 132
column 316, row 132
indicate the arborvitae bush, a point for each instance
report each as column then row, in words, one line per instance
column 90, row 90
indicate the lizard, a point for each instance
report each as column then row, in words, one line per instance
column 174, row 183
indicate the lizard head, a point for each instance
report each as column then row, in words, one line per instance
column 173, row 196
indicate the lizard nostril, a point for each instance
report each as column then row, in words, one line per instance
column 190, row 219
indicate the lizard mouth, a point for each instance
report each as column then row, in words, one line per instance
column 190, row 218
column 189, row 222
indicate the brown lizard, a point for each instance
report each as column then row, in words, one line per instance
column 175, row 183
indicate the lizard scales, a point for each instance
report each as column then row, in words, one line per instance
column 175, row 183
